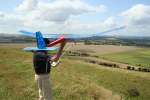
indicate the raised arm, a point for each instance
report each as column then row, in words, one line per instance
column 59, row 40
column 62, row 42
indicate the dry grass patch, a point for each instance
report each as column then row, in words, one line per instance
column 100, row 49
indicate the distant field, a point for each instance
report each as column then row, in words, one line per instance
column 124, row 54
column 72, row 79
column 139, row 57
column 100, row 49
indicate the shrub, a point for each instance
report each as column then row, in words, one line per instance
column 144, row 69
column 132, row 68
column 139, row 69
column 85, row 54
column 92, row 61
column 133, row 92
column 128, row 67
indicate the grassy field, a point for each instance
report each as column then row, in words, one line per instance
column 72, row 79
column 138, row 57
column 100, row 49
column 124, row 54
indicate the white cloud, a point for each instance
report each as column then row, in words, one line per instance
column 27, row 5
column 10, row 22
column 51, row 17
column 1, row 14
column 138, row 15
column 55, row 17
column 69, row 26
column 57, row 10
column 110, row 22
column 137, row 18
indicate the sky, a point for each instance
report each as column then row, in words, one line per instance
column 76, row 16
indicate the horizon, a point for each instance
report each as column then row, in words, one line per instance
column 115, row 36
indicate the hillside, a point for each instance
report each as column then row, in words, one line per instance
column 72, row 79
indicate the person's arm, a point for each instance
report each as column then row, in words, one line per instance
column 59, row 40
column 62, row 42
column 57, row 56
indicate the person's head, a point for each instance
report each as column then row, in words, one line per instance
column 46, row 41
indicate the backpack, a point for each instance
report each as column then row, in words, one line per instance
column 41, row 62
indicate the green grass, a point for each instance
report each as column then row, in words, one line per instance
column 15, row 76
column 118, row 81
column 72, row 80
column 139, row 57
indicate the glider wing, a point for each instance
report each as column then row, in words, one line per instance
column 37, row 49
column 71, row 36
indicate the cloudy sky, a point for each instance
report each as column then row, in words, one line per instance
column 75, row 16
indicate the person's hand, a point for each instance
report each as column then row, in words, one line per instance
column 55, row 58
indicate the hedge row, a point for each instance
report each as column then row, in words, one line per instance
column 107, row 64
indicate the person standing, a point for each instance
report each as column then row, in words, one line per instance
column 42, row 66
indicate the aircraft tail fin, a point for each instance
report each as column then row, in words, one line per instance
column 40, row 40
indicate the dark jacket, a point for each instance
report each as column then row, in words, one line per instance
column 41, row 62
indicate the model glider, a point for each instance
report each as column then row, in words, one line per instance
column 41, row 43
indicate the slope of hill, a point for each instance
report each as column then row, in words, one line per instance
column 72, row 80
